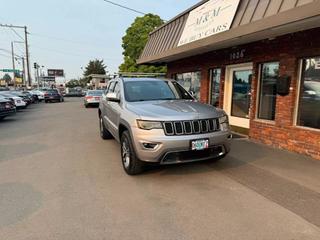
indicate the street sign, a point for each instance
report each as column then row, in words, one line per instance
column 48, row 78
column 10, row 70
column 55, row 72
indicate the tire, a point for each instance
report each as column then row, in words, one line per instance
column 1, row 118
column 130, row 162
column 86, row 105
column 46, row 101
column 104, row 133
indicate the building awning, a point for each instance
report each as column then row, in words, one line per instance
column 253, row 20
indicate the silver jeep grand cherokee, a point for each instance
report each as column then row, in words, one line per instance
column 158, row 121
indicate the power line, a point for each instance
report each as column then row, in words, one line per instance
column 17, row 33
column 5, row 55
column 8, row 51
column 125, row 7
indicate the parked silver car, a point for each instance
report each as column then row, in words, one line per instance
column 158, row 121
column 92, row 98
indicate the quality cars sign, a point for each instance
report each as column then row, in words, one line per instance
column 210, row 18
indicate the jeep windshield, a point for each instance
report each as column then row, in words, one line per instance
column 152, row 90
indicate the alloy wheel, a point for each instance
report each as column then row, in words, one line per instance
column 125, row 154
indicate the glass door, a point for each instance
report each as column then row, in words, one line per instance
column 241, row 92
column 238, row 94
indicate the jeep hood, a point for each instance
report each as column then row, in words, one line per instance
column 174, row 110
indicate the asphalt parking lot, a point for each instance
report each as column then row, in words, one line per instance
column 60, row 180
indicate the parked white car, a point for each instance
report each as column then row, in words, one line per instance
column 18, row 101
column 39, row 93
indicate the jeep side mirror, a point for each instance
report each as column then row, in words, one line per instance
column 112, row 97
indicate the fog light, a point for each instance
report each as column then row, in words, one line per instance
column 149, row 145
column 224, row 126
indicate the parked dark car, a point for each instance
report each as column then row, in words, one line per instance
column 7, row 108
column 53, row 95
column 34, row 98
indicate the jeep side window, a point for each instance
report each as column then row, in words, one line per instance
column 111, row 87
column 117, row 88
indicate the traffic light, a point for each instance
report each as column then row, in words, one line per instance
column 35, row 65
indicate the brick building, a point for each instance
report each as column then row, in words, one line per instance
column 259, row 60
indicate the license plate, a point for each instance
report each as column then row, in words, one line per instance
column 7, row 106
column 200, row 144
column 97, row 98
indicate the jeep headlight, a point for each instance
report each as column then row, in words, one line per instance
column 148, row 125
column 224, row 123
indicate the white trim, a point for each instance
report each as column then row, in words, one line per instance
column 210, row 86
column 257, row 103
column 307, row 128
column 298, row 90
column 235, row 121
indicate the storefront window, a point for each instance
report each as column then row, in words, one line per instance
column 268, row 90
column 191, row 82
column 215, row 75
column 241, row 93
column 309, row 102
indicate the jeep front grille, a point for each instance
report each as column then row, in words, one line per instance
column 191, row 127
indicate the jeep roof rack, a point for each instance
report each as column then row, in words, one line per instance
column 141, row 74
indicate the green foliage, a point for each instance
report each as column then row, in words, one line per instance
column 95, row 67
column 134, row 42
column 83, row 82
column 7, row 78
column 73, row 83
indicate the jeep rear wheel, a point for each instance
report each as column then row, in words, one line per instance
column 131, row 164
column 104, row 133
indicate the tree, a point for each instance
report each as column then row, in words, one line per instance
column 73, row 83
column 134, row 42
column 7, row 78
column 95, row 67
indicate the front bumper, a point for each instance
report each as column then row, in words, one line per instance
column 52, row 98
column 7, row 112
column 88, row 102
column 20, row 104
column 176, row 149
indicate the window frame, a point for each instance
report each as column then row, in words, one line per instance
column 298, row 94
column 211, row 85
column 260, row 69
column 109, row 87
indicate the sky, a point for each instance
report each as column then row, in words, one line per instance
column 66, row 34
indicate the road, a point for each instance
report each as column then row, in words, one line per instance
column 59, row 180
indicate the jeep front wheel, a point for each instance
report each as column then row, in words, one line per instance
column 131, row 164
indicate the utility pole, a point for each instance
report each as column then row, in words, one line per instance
column 13, row 66
column 24, row 79
column 27, row 55
column 26, row 46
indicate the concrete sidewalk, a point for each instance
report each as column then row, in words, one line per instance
column 288, row 179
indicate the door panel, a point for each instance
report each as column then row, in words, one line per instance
column 237, row 94
column 241, row 92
